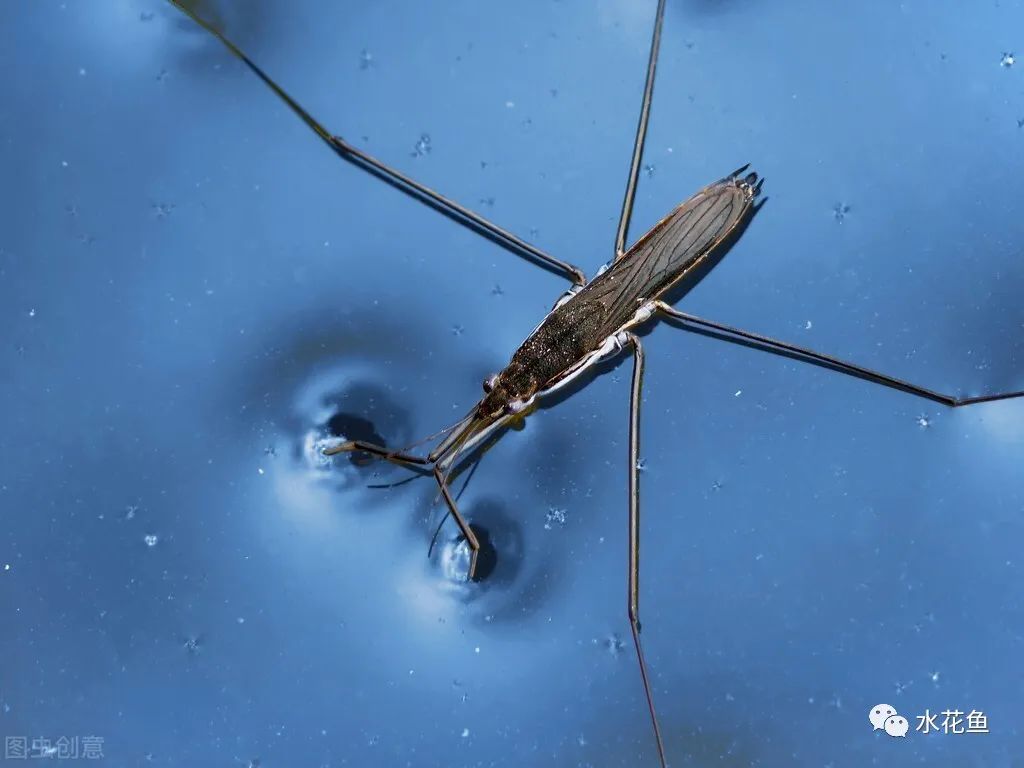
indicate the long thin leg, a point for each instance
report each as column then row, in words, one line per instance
column 641, row 134
column 633, row 603
column 756, row 340
column 396, row 457
column 395, row 178
column 467, row 532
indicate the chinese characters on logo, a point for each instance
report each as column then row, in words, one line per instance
column 885, row 717
column 63, row 748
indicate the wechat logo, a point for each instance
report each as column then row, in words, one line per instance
column 885, row 718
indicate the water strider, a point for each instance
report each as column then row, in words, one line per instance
column 594, row 320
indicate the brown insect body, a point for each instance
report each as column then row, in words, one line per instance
column 610, row 303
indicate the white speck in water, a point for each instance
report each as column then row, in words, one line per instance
column 240, row 620
column 808, row 325
column 613, row 644
column 923, row 421
column 151, row 539
column 422, row 146
column 7, row 566
column 738, row 393
column 510, row 105
column 649, row 170
column 465, row 733
column 63, row 163
column 81, row 70
column 935, row 677
column 477, row 649
column 260, row 470
column 554, row 515
column 31, row 313
column 581, row 740
column 1008, row 59
column 365, row 59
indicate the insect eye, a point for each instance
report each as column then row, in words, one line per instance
column 490, row 382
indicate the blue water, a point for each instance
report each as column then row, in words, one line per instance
column 194, row 289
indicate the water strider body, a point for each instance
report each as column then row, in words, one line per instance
column 593, row 321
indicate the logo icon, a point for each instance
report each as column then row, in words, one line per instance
column 884, row 717
column 896, row 725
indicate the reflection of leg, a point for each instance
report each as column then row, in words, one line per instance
column 633, row 608
column 756, row 340
column 397, row 179
column 641, row 134
column 467, row 532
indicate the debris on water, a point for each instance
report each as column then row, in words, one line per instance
column 923, row 421
column 365, row 59
column 641, row 465
column 163, row 210
column 554, row 515
column 581, row 740
column 488, row 201
column 839, row 211
column 457, row 330
column 151, row 539
column 146, row 16
column 1020, row 122
column 612, row 644
column 716, row 486
column 161, row 75
column 129, row 512
column 649, row 170
column 270, row 451
column 497, row 290
column 422, row 146
column 193, row 644
column 510, row 105
column 1008, row 59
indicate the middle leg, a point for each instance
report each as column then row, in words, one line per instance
column 633, row 599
